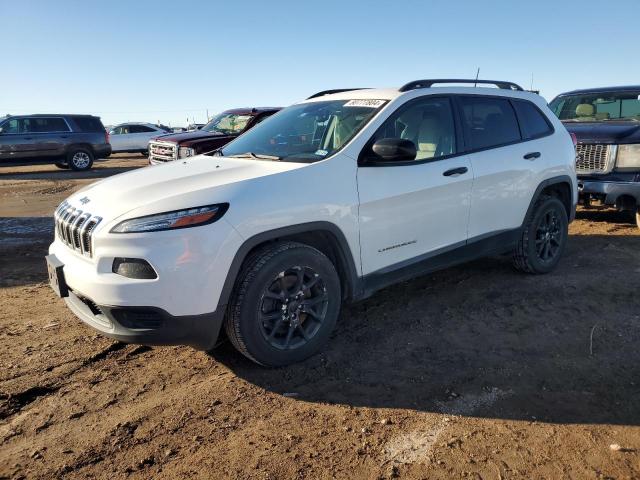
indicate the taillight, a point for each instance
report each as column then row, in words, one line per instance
column 106, row 136
column 574, row 139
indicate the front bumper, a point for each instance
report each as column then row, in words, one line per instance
column 148, row 325
column 609, row 191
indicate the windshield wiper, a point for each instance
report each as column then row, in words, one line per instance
column 258, row 156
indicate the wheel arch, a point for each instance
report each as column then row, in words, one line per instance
column 75, row 146
column 324, row 236
column 560, row 187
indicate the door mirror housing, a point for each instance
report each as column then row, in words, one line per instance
column 1, row 130
column 394, row 149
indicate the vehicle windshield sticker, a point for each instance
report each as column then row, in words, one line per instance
column 364, row 103
column 321, row 153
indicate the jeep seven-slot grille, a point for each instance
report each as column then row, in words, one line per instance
column 163, row 151
column 594, row 158
column 75, row 227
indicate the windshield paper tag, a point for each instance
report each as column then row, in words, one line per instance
column 321, row 153
column 364, row 103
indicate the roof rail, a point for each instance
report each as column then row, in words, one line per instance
column 429, row 83
column 337, row 90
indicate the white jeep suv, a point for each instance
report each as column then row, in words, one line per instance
column 329, row 200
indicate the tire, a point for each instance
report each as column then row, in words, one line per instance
column 80, row 159
column 269, row 318
column 62, row 165
column 544, row 237
column 145, row 153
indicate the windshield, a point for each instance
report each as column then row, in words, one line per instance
column 227, row 124
column 597, row 107
column 307, row 132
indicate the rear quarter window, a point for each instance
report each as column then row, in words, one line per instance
column 89, row 124
column 489, row 122
column 532, row 121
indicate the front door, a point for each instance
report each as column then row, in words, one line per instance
column 412, row 210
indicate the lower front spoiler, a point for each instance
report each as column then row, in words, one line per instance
column 148, row 325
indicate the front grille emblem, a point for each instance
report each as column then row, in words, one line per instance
column 84, row 200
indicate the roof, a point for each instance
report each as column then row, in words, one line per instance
column 622, row 88
column 252, row 110
column 393, row 93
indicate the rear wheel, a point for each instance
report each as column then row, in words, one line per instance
column 80, row 159
column 285, row 304
column 544, row 237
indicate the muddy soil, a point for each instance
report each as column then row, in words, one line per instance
column 474, row 372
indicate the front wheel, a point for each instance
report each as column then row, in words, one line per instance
column 285, row 304
column 544, row 237
column 80, row 159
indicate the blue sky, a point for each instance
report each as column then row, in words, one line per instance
column 169, row 60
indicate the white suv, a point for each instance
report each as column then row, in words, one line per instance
column 329, row 200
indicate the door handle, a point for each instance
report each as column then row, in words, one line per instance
column 455, row 171
column 532, row 156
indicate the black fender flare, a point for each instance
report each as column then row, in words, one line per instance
column 341, row 247
column 560, row 179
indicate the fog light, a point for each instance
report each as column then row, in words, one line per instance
column 133, row 268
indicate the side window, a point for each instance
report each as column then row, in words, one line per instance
column 140, row 129
column 44, row 125
column 11, row 126
column 534, row 124
column 489, row 121
column 428, row 123
column 116, row 131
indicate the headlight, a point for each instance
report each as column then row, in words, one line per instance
column 628, row 157
column 190, row 217
column 184, row 152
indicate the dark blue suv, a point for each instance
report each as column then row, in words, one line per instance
column 606, row 123
column 70, row 141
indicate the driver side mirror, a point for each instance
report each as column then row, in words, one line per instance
column 1, row 130
column 395, row 149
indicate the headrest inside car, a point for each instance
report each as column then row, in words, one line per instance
column 584, row 110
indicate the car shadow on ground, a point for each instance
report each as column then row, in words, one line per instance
column 485, row 341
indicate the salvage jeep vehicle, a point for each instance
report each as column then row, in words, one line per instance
column 329, row 200
column 222, row 128
column 606, row 123
column 70, row 141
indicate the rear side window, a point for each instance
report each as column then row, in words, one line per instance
column 489, row 122
column 532, row 121
column 47, row 124
column 89, row 124
column 140, row 129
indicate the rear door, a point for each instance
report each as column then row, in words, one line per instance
column 51, row 134
column 506, row 166
column 140, row 136
column 415, row 209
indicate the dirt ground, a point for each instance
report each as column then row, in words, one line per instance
column 475, row 372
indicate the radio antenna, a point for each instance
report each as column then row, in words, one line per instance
column 477, row 75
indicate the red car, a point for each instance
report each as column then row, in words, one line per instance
column 222, row 128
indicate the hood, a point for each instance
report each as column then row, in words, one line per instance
column 199, row 180
column 181, row 138
column 605, row 132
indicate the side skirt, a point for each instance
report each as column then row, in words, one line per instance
column 483, row 246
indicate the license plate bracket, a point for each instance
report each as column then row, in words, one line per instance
column 56, row 276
